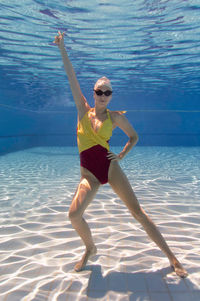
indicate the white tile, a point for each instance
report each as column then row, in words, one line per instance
column 97, row 282
column 16, row 295
column 116, row 296
column 176, row 284
column 97, row 295
column 117, row 282
column 139, row 296
column 185, row 296
column 136, row 282
column 155, row 282
column 70, row 297
column 192, row 284
column 196, row 296
column 160, row 297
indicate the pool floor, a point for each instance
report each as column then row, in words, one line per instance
column 39, row 248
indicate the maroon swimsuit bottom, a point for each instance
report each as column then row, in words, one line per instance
column 95, row 160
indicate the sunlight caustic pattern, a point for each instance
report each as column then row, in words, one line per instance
column 39, row 248
column 143, row 47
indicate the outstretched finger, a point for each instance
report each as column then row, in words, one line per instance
column 55, row 41
column 61, row 33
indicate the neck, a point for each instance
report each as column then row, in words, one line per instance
column 100, row 111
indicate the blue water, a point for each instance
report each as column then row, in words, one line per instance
column 149, row 50
column 39, row 247
column 48, row 175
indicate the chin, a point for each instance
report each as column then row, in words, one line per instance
column 104, row 103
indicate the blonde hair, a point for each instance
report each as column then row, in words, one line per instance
column 103, row 81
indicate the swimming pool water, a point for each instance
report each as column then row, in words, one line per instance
column 39, row 248
column 149, row 50
column 39, row 175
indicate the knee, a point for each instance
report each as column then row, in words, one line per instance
column 74, row 215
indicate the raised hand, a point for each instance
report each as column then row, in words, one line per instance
column 59, row 39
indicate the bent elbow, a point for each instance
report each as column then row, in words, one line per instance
column 134, row 139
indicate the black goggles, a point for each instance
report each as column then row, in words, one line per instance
column 100, row 93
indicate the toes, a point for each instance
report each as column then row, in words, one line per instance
column 180, row 271
column 78, row 268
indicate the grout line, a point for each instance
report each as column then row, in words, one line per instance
column 168, row 290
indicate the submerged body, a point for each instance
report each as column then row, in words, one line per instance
column 94, row 146
column 99, row 165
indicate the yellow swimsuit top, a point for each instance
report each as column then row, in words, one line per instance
column 88, row 137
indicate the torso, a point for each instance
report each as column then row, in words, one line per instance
column 97, row 121
column 98, row 125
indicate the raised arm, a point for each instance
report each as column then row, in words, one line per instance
column 79, row 99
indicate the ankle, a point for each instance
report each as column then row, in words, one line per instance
column 90, row 248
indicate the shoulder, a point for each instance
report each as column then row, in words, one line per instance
column 117, row 116
column 83, row 110
column 120, row 120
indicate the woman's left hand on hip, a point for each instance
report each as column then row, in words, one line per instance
column 113, row 157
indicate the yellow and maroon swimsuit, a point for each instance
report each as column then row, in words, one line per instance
column 94, row 146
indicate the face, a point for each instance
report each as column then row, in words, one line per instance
column 102, row 100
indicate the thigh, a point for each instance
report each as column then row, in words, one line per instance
column 84, row 194
column 120, row 184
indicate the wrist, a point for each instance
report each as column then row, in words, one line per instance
column 121, row 155
column 61, row 46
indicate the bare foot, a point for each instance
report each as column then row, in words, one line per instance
column 82, row 263
column 178, row 269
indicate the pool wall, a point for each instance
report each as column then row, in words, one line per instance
column 163, row 126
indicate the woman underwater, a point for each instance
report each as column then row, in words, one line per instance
column 99, row 165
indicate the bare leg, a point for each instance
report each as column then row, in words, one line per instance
column 85, row 193
column 121, row 185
